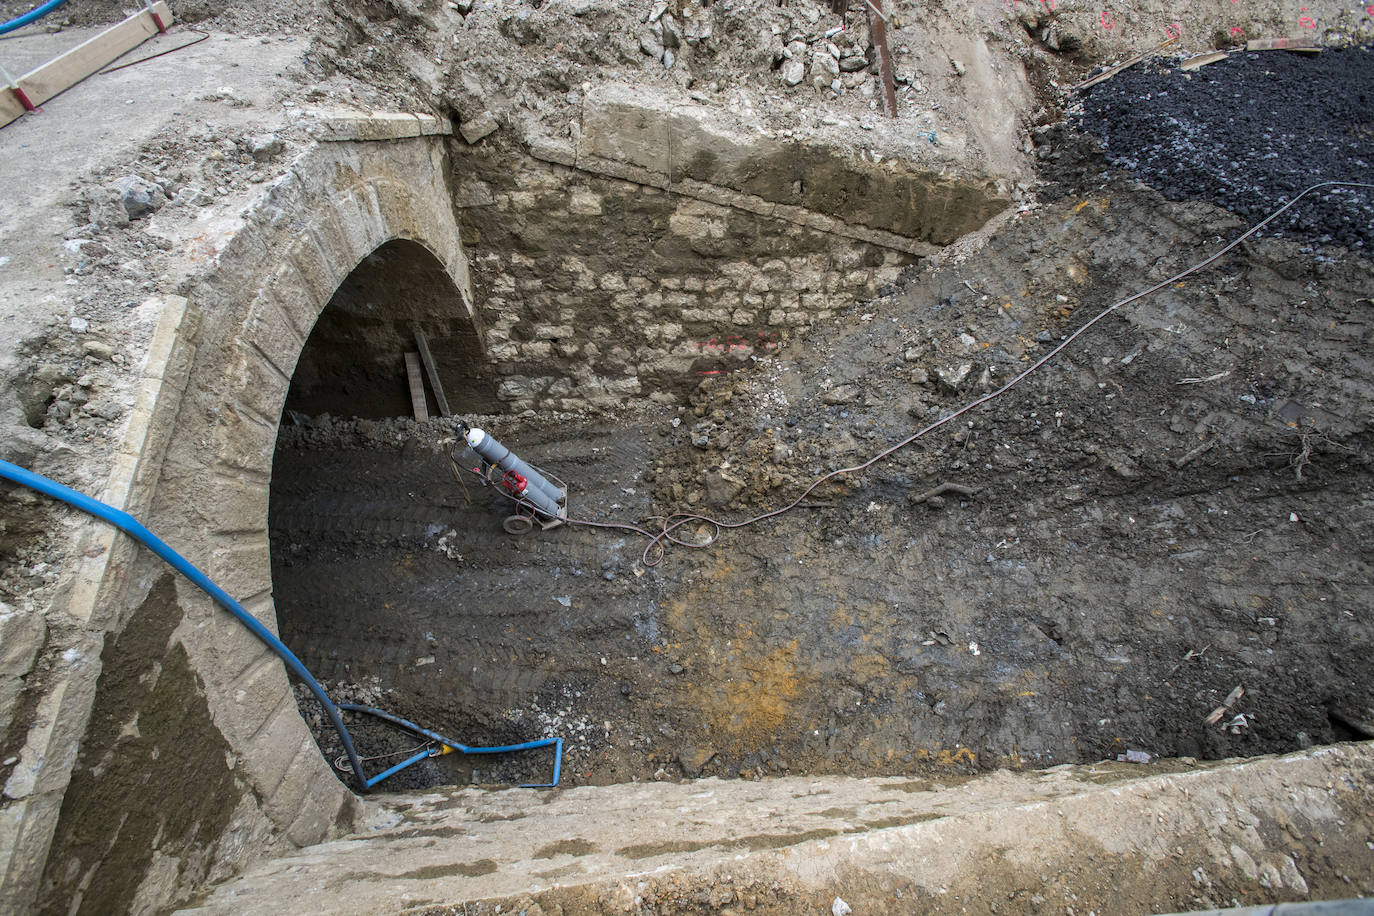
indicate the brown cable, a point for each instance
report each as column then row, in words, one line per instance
column 180, row 47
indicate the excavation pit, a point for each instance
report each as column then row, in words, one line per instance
column 1086, row 598
column 640, row 291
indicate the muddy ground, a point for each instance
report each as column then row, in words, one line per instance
column 1177, row 506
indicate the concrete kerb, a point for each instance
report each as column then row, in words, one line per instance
column 1095, row 834
column 357, row 126
column 36, row 787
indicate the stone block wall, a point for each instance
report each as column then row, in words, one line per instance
column 594, row 290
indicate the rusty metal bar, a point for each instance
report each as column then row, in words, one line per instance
column 877, row 27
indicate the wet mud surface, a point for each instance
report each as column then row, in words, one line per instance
column 1179, row 506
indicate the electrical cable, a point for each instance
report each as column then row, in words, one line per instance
column 660, row 537
column 181, row 47
column 448, row 744
column 343, row 766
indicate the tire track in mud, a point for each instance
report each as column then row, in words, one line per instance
column 381, row 568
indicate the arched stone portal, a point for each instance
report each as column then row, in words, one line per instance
column 353, row 363
column 225, row 356
column 342, row 205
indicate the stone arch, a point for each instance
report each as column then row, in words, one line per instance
column 248, row 321
column 353, row 361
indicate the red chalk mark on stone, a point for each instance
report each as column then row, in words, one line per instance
column 1174, row 30
column 1307, row 22
column 1237, row 30
column 1106, row 19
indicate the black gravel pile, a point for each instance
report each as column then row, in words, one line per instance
column 1248, row 133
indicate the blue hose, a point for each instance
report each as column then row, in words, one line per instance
column 134, row 528
column 18, row 22
column 556, row 743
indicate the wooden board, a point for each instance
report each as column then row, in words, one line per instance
column 67, row 69
column 432, row 371
column 1202, row 60
column 1125, row 64
column 1283, row 44
column 417, row 387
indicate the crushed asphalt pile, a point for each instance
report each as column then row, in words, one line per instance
column 1248, row 133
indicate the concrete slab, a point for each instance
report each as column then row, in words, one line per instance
column 1105, row 838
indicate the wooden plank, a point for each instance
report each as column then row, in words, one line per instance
column 417, row 388
column 1283, row 44
column 1202, row 60
column 67, row 69
column 9, row 107
column 1125, row 64
column 432, row 371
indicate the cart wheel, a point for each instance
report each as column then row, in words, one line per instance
column 517, row 524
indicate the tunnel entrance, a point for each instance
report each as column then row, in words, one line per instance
column 353, row 365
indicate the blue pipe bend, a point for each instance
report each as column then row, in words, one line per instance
column 135, row 529
column 555, row 743
column 18, row 22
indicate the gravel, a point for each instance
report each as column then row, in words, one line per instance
column 1248, row 133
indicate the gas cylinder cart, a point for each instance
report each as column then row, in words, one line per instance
column 540, row 498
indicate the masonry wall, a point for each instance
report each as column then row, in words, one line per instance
column 594, row 290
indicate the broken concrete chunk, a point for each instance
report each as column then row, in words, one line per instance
column 263, row 146
column 953, row 377
column 651, row 42
column 721, row 489
column 97, row 349
column 138, row 196
column 694, row 759
column 794, row 64
column 476, row 128
column 824, row 69
column 840, row 394
column 698, row 30
column 672, row 35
